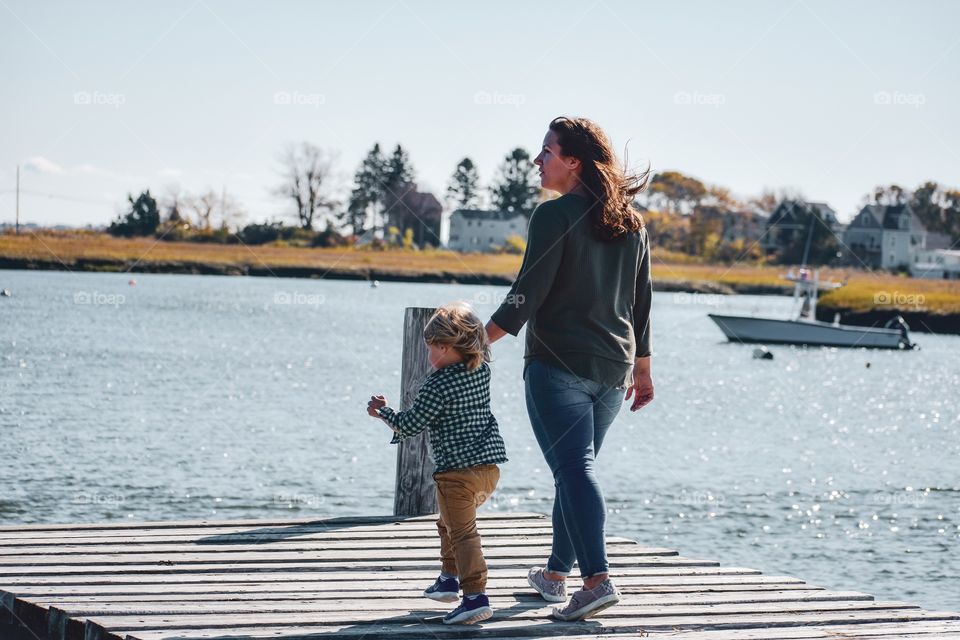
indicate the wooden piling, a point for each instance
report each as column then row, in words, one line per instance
column 415, row 490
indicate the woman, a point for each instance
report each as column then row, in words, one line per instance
column 584, row 292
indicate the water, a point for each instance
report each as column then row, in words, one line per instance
column 212, row 397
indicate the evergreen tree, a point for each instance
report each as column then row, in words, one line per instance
column 515, row 190
column 142, row 219
column 367, row 194
column 464, row 189
column 398, row 180
column 397, row 173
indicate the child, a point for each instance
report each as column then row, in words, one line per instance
column 454, row 405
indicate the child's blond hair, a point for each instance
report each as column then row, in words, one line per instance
column 456, row 325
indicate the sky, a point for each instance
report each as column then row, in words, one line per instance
column 102, row 99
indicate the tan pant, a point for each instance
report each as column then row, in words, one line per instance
column 459, row 493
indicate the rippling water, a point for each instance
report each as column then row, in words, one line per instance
column 200, row 396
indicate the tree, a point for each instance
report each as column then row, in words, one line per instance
column 937, row 209
column 768, row 199
column 308, row 173
column 515, row 189
column 464, row 189
column 675, row 192
column 823, row 242
column 367, row 194
column 142, row 219
column 398, row 172
column 891, row 195
column 398, row 182
column 174, row 203
column 202, row 206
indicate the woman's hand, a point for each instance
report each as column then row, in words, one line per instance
column 494, row 332
column 376, row 402
column 642, row 388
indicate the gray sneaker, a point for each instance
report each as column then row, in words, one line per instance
column 588, row 602
column 550, row 590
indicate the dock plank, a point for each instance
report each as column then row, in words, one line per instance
column 362, row 577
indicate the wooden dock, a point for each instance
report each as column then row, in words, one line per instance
column 363, row 577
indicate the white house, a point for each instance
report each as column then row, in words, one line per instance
column 936, row 264
column 476, row 230
column 886, row 236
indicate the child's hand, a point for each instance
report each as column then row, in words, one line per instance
column 376, row 402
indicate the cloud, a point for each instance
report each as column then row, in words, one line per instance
column 42, row 165
column 39, row 164
column 169, row 172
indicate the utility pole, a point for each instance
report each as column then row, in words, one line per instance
column 17, row 223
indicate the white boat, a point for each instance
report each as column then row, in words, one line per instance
column 804, row 329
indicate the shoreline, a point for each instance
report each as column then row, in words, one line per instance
column 920, row 321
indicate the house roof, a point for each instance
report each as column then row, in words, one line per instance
column 480, row 214
column 888, row 216
column 784, row 213
column 826, row 211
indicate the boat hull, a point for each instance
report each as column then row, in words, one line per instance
column 813, row 333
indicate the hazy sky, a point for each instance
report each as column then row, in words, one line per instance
column 832, row 98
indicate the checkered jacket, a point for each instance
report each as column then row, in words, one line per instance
column 453, row 404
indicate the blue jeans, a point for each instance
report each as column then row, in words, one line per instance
column 570, row 417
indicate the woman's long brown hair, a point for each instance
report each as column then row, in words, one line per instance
column 609, row 188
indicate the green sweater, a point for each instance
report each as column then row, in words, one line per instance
column 586, row 302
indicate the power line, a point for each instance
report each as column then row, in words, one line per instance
column 58, row 196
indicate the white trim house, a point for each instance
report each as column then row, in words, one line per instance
column 477, row 230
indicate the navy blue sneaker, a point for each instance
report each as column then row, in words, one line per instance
column 443, row 590
column 470, row 611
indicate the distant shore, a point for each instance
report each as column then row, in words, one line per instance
column 869, row 299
